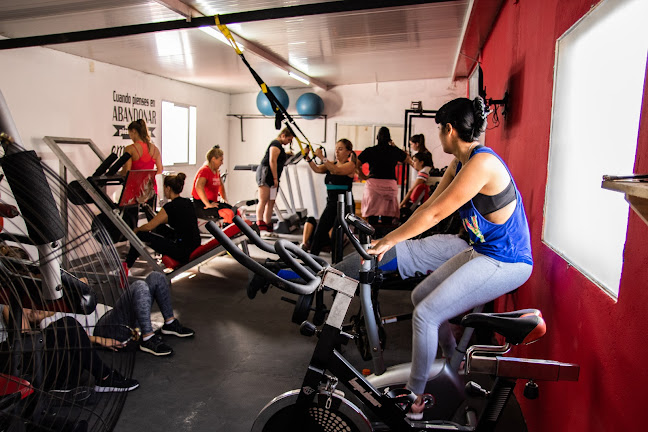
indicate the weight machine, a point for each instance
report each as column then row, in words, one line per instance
column 92, row 186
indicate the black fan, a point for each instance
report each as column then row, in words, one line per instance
column 52, row 266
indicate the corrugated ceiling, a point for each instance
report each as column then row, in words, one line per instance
column 394, row 44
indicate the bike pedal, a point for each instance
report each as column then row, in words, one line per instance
column 439, row 425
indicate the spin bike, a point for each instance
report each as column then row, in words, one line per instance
column 319, row 405
column 367, row 325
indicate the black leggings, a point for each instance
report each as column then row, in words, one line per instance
column 203, row 213
column 321, row 235
column 162, row 242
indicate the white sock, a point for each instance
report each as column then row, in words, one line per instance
column 169, row 322
column 145, row 338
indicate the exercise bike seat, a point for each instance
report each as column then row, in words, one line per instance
column 391, row 280
column 517, row 327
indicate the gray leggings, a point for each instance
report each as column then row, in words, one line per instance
column 467, row 280
column 133, row 308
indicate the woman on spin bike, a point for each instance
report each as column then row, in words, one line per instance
column 479, row 185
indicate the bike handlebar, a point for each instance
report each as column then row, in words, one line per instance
column 252, row 235
column 312, row 281
column 345, row 226
column 314, row 262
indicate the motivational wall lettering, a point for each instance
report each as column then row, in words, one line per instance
column 127, row 108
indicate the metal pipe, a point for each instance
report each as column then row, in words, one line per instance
column 236, row 17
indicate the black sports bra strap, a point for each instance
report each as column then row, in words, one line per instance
column 475, row 149
column 486, row 204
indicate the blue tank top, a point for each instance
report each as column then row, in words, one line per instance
column 508, row 242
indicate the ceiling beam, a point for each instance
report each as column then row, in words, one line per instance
column 195, row 19
column 189, row 12
column 180, row 8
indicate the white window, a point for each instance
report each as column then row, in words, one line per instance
column 178, row 134
column 598, row 88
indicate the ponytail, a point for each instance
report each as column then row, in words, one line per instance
column 140, row 127
column 420, row 140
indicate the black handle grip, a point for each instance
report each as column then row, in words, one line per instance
column 101, row 170
column 117, row 165
column 345, row 226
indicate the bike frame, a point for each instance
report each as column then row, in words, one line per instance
column 327, row 358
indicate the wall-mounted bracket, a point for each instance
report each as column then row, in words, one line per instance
column 242, row 117
column 504, row 103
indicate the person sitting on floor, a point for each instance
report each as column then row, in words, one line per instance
column 109, row 327
column 68, row 352
column 180, row 237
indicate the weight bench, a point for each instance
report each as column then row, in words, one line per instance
column 205, row 252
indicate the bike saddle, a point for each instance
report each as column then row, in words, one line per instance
column 522, row 326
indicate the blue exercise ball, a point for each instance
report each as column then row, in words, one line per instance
column 263, row 104
column 309, row 106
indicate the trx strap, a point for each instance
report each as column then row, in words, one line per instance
column 279, row 109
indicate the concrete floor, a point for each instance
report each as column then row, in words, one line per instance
column 245, row 353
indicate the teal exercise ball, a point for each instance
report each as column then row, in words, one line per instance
column 309, row 106
column 263, row 104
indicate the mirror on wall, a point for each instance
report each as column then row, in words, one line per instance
column 364, row 135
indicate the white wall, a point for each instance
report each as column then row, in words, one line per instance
column 381, row 104
column 57, row 94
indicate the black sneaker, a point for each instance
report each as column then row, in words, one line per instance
column 115, row 383
column 176, row 329
column 156, row 346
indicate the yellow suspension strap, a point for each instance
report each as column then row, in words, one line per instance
column 280, row 111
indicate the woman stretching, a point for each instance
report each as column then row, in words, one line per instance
column 479, row 184
column 338, row 180
column 181, row 237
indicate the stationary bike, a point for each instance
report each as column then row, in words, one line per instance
column 318, row 405
column 368, row 324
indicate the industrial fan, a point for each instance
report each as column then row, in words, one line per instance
column 52, row 265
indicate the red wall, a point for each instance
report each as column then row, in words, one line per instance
column 585, row 326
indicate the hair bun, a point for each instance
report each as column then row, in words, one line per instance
column 480, row 114
column 181, row 176
column 479, row 108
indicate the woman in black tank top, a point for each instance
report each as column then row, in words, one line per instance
column 181, row 237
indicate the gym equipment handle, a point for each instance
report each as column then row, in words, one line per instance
column 117, row 165
column 345, row 226
column 312, row 282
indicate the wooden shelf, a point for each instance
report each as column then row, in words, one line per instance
column 636, row 193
